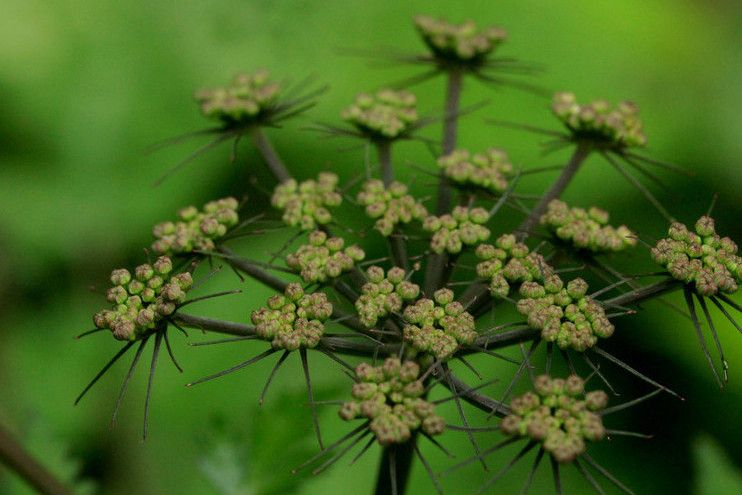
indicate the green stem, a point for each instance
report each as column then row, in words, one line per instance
column 396, row 241
column 401, row 456
column 266, row 149
column 17, row 459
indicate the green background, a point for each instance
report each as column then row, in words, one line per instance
column 87, row 85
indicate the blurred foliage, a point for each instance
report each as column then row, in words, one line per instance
column 88, row 85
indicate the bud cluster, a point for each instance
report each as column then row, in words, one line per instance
column 390, row 205
column 387, row 114
column 243, row 101
column 438, row 326
column 586, row 229
column 324, row 258
column 559, row 415
column 619, row 127
column 383, row 295
column 142, row 300
column 462, row 227
column 701, row 257
column 196, row 229
column 460, row 42
column 489, row 170
column 564, row 315
column 508, row 262
column 304, row 204
column 390, row 396
column 294, row 319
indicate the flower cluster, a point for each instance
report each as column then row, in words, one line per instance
column 438, row 326
column 508, row 262
column 489, row 170
column 559, row 415
column 385, row 115
column 586, row 229
column 243, row 101
column 305, row 204
column 702, row 257
column 390, row 396
column 619, row 127
column 564, row 315
column 390, row 205
column 142, row 300
column 324, row 257
column 461, row 42
column 294, row 319
column 383, row 295
column 196, row 229
column 462, row 227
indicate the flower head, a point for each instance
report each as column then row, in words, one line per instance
column 462, row 227
column 565, row 315
column 509, row 261
column 324, row 258
column 438, row 326
column 386, row 114
column 294, row 319
column 489, row 170
column 462, row 43
column 586, row 229
column 559, row 415
column 701, row 258
column 384, row 294
column 390, row 396
column 618, row 127
column 305, row 204
column 248, row 98
column 142, row 299
column 390, row 205
column 196, row 230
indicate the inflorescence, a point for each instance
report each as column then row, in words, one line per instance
column 387, row 114
column 559, row 415
column 586, row 229
column 305, row 204
column 462, row 227
column 242, row 102
column 391, row 397
column 141, row 301
column 509, row 262
column 294, row 319
column 438, row 326
column 565, row 315
column 196, row 230
column 324, row 258
column 459, row 42
column 702, row 257
column 618, row 127
column 390, row 205
column 489, row 170
column 383, row 294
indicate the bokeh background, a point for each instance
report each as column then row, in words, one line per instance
column 87, row 85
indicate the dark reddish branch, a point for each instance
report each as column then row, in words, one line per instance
column 17, row 459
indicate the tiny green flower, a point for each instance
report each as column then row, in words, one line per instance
column 462, row 227
column 324, row 258
column 390, row 205
column 464, row 43
column 243, row 102
column 383, row 295
column 489, row 170
column 387, row 114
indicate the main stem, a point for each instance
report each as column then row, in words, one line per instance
column 401, row 455
column 266, row 149
column 450, row 125
column 438, row 270
column 15, row 457
column 396, row 240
